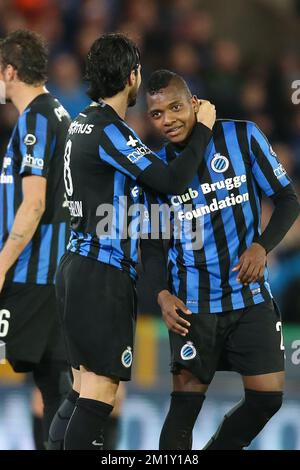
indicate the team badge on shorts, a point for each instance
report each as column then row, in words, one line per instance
column 188, row 351
column 126, row 357
column 219, row 163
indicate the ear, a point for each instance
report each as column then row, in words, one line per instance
column 195, row 103
column 10, row 73
column 132, row 78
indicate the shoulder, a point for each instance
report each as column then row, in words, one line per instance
column 162, row 153
column 234, row 123
column 48, row 108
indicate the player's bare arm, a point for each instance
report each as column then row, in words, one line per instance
column 25, row 224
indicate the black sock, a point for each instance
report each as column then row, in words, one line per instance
column 111, row 433
column 177, row 431
column 60, row 422
column 53, row 381
column 86, row 427
column 242, row 424
column 37, row 429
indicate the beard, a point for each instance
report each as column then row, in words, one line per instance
column 132, row 97
column 131, row 101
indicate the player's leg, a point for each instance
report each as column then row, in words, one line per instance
column 53, row 381
column 52, row 374
column 112, row 429
column 263, row 398
column 64, row 411
column 193, row 364
column 62, row 417
column 98, row 313
column 97, row 398
column 186, row 402
column 257, row 339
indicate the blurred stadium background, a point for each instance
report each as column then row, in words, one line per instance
column 244, row 57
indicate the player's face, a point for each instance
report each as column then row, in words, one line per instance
column 173, row 113
column 135, row 88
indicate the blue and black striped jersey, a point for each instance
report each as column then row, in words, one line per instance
column 36, row 148
column 222, row 205
column 103, row 159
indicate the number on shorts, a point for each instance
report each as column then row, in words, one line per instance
column 279, row 328
column 67, row 169
column 4, row 324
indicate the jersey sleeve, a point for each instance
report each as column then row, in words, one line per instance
column 267, row 170
column 121, row 148
column 157, row 206
column 37, row 142
column 157, row 209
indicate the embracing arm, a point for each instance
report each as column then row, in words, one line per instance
column 130, row 156
column 174, row 178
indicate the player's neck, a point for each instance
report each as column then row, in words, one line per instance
column 119, row 103
column 25, row 94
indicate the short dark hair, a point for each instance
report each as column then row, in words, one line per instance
column 162, row 78
column 26, row 51
column 110, row 61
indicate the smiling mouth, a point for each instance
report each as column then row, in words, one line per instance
column 174, row 130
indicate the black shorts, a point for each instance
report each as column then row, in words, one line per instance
column 97, row 303
column 248, row 341
column 30, row 325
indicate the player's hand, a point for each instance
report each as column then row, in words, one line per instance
column 206, row 113
column 169, row 305
column 251, row 264
column 2, row 279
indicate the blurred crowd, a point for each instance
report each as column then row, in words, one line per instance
column 184, row 36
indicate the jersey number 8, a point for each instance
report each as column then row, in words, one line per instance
column 67, row 169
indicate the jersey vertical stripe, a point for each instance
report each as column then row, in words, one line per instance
column 105, row 160
column 218, row 254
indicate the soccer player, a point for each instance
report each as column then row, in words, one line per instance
column 105, row 164
column 218, row 306
column 33, row 220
